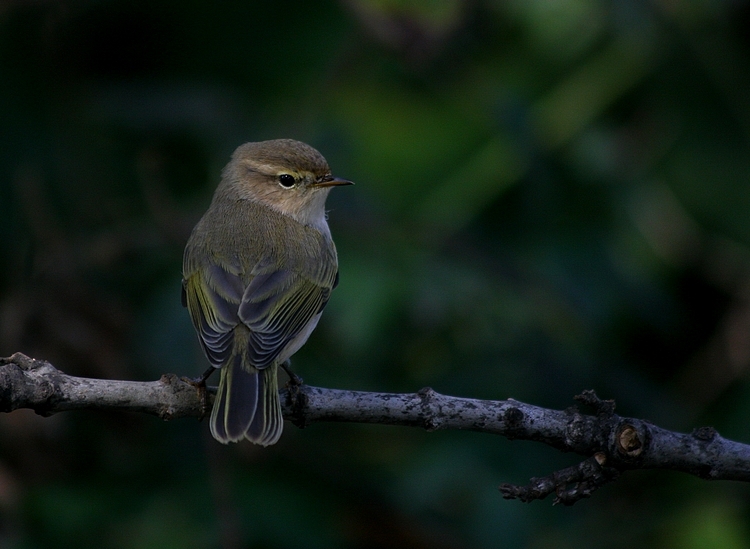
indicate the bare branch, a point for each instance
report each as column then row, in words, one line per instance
column 611, row 444
column 29, row 383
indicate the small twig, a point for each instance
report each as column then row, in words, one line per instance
column 570, row 484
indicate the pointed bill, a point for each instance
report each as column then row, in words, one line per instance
column 330, row 181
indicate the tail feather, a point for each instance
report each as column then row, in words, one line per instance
column 247, row 404
column 218, row 413
column 268, row 422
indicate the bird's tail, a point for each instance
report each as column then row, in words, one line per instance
column 247, row 403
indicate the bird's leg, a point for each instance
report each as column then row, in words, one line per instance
column 294, row 383
column 200, row 384
column 200, row 381
column 294, row 380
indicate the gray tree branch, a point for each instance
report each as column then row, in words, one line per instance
column 611, row 444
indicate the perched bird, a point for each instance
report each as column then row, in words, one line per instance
column 257, row 272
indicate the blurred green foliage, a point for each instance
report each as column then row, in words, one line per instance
column 551, row 196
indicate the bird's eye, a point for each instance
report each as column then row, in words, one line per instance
column 287, row 181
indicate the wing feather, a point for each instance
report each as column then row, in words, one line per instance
column 276, row 306
column 276, row 309
column 213, row 295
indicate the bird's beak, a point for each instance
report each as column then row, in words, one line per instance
column 330, row 181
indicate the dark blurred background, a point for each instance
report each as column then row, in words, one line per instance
column 551, row 196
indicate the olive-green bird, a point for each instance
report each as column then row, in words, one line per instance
column 257, row 272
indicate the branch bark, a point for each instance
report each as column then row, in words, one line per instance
column 611, row 444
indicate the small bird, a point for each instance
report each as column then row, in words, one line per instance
column 258, row 270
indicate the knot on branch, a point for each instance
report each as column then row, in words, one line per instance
column 27, row 383
column 577, row 430
column 431, row 420
column 705, row 434
column 175, row 385
column 513, row 418
column 709, row 444
column 601, row 407
column 630, row 440
column 426, row 394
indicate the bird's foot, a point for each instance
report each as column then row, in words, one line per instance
column 200, row 385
